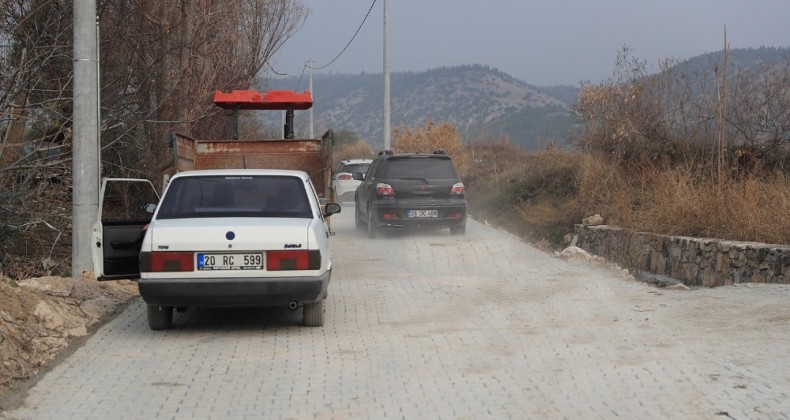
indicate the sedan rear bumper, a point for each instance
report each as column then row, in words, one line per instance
column 234, row 291
column 345, row 189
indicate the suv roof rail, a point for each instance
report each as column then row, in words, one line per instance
column 439, row 152
column 385, row 152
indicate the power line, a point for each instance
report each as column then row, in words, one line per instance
column 300, row 77
column 336, row 57
column 349, row 41
column 275, row 71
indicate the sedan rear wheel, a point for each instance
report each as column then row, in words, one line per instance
column 313, row 314
column 160, row 317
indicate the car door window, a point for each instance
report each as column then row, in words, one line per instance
column 127, row 201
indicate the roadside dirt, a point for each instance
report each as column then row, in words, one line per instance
column 41, row 318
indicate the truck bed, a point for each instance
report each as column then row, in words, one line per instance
column 313, row 156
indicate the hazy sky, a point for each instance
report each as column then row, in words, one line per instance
column 543, row 42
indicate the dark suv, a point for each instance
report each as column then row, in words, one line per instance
column 413, row 189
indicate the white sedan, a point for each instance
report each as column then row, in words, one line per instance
column 343, row 182
column 248, row 237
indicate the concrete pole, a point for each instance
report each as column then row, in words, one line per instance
column 98, row 108
column 386, row 77
column 310, row 66
column 85, row 195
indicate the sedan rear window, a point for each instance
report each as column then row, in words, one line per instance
column 235, row 196
column 354, row 167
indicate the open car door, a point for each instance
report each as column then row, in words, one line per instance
column 126, row 206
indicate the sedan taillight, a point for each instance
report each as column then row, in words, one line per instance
column 158, row 262
column 385, row 190
column 458, row 189
column 293, row 260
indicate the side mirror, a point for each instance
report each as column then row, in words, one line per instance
column 358, row 176
column 331, row 208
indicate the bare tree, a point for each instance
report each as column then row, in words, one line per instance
column 160, row 62
column 164, row 66
column 760, row 114
column 35, row 76
column 704, row 118
column 34, row 80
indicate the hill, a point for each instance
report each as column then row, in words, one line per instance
column 479, row 100
column 739, row 59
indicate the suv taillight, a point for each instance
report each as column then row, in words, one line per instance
column 344, row 176
column 158, row 262
column 385, row 190
column 458, row 189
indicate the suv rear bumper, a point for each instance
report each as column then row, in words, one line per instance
column 234, row 291
column 451, row 213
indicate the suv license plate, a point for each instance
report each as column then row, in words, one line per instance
column 420, row 214
column 230, row 261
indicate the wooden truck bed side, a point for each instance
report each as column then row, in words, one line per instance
column 313, row 156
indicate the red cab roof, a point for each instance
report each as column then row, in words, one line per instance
column 273, row 100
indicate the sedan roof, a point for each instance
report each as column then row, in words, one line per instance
column 243, row 172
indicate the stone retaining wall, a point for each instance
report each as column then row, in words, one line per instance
column 694, row 261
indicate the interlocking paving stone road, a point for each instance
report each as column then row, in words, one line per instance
column 429, row 325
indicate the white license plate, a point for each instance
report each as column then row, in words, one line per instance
column 419, row 214
column 230, row 261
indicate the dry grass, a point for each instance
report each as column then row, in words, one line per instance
column 545, row 193
column 532, row 195
column 680, row 202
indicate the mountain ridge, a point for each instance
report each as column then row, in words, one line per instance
column 476, row 98
column 481, row 101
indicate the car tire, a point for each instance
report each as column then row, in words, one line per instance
column 458, row 230
column 360, row 224
column 372, row 224
column 160, row 317
column 313, row 314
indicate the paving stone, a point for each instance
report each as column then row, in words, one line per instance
column 423, row 324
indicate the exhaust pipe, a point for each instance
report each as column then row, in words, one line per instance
column 293, row 305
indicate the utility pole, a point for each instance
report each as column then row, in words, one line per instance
column 721, row 121
column 98, row 110
column 85, row 152
column 310, row 66
column 386, row 77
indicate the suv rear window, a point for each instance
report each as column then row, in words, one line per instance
column 235, row 196
column 420, row 167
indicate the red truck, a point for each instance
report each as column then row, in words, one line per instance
column 313, row 156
